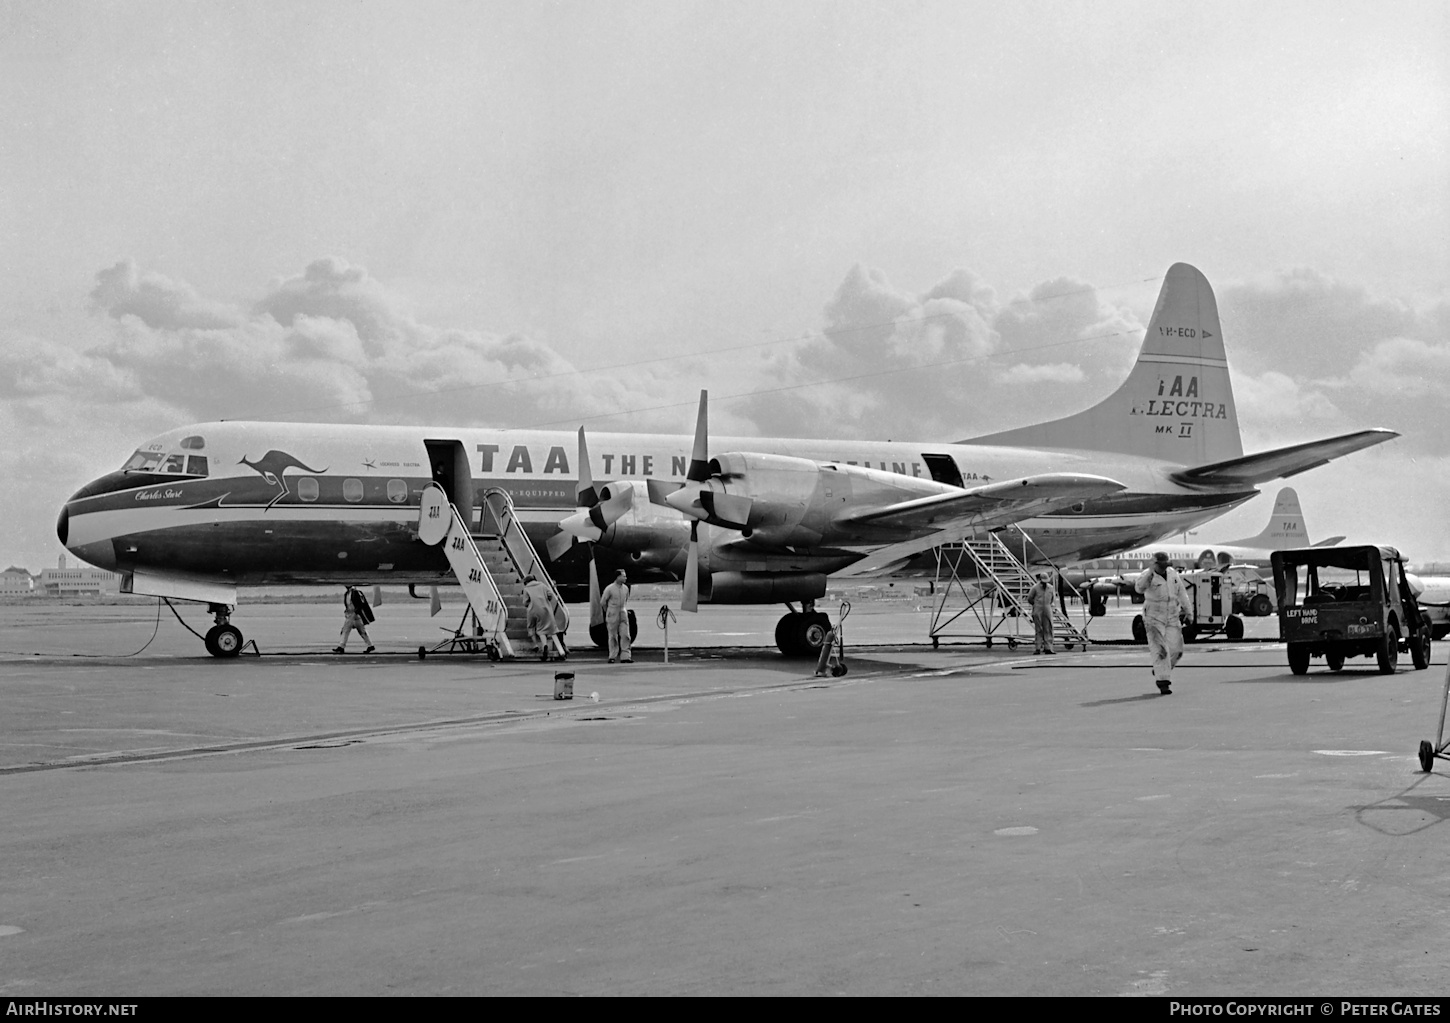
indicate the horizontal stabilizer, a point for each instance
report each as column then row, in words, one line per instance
column 1280, row 462
column 1329, row 542
column 953, row 517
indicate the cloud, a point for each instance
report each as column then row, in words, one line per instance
column 158, row 301
column 1310, row 353
column 1043, row 373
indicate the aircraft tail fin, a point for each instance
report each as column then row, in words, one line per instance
column 1286, row 526
column 1177, row 404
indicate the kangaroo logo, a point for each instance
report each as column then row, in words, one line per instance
column 272, row 467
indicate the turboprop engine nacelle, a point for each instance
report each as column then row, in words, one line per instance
column 787, row 495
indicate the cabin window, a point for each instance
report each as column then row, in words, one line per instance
column 352, row 490
column 306, row 488
column 196, row 465
column 397, row 491
column 192, row 444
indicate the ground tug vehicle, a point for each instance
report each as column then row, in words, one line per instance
column 1213, row 597
column 1338, row 602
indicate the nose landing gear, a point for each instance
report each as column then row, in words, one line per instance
column 223, row 639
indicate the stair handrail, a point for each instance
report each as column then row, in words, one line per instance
column 499, row 506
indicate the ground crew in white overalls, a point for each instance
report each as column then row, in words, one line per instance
column 540, row 623
column 1165, row 606
column 616, row 617
column 1040, row 599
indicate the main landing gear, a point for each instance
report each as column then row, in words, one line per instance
column 802, row 633
column 223, row 639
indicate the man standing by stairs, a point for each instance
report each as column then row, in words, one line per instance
column 1040, row 599
column 616, row 617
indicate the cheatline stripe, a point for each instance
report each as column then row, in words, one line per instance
column 1195, row 360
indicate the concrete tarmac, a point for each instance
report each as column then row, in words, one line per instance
column 953, row 821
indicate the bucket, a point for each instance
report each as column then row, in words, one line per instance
column 564, row 685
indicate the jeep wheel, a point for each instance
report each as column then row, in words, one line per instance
column 1420, row 649
column 1388, row 652
column 1299, row 658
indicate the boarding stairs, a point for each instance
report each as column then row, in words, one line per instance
column 490, row 566
column 992, row 584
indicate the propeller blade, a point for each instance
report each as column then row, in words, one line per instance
column 730, row 510
column 584, row 495
column 614, row 501
column 559, row 544
column 700, row 457
column 596, row 607
column 435, row 602
column 691, row 601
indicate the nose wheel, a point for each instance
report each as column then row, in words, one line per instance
column 223, row 639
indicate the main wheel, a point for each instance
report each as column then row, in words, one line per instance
column 1335, row 659
column 1140, row 630
column 1427, row 755
column 1388, row 653
column 1261, row 606
column 787, row 634
column 815, row 629
column 1420, row 649
column 1234, row 627
column 1299, row 658
column 226, row 641
column 1190, row 633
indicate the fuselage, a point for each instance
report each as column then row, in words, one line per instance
column 261, row 503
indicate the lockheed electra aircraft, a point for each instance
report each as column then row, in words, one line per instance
column 203, row 509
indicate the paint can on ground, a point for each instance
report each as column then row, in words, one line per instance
column 563, row 685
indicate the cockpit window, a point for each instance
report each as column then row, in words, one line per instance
column 142, row 461
column 173, row 463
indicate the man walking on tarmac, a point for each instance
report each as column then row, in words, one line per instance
column 356, row 614
column 616, row 618
column 1040, row 599
column 1165, row 606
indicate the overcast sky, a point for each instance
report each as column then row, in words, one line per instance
column 551, row 211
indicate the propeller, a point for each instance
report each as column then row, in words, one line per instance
column 703, row 496
column 598, row 510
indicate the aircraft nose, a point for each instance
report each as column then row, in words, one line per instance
column 73, row 536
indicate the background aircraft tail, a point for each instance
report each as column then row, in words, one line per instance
column 1177, row 404
column 1286, row 527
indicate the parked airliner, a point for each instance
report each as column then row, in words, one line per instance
column 200, row 510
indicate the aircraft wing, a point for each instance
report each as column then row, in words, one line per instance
column 1280, row 462
column 951, row 518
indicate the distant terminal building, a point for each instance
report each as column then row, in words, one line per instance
column 16, row 582
column 85, row 581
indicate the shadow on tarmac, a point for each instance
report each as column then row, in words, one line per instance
column 1436, row 808
column 1122, row 699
